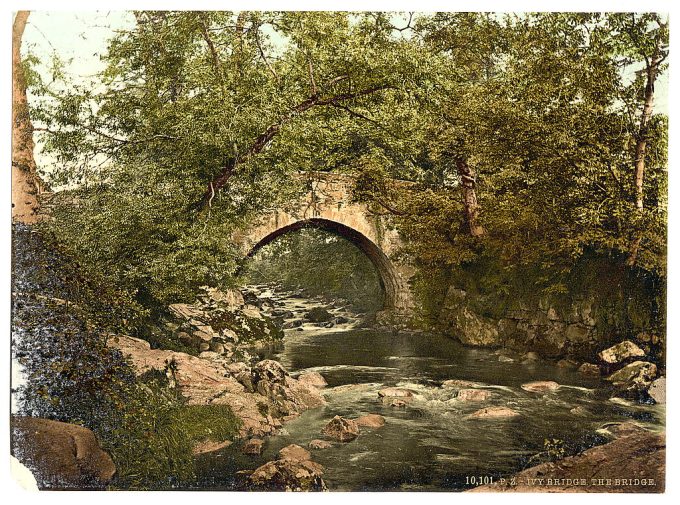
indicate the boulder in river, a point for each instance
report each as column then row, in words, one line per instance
column 540, row 386
column 60, row 455
column 634, row 379
column 589, row 369
column 312, row 379
column 294, row 452
column 320, row 444
column 494, row 412
column 658, row 390
column 292, row 324
column 473, row 395
column 370, row 421
column 621, row 352
column 341, row 429
column 253, row 446
column 395, row 393
column 288, row 475
column 318, row 315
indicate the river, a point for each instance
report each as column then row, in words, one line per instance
column 431, row 444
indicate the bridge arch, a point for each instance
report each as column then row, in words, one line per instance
column 387, row 273
column 327, row 203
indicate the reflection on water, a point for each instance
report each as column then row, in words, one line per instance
column 431, row 444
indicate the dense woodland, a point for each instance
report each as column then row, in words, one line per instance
column 532, row 137
column 532, row 141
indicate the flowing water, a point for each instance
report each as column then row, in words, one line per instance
column 431, row 444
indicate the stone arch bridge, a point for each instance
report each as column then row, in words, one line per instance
column 327, row 204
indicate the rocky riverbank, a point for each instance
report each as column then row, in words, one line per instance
column 633, row 462
column 263, row 396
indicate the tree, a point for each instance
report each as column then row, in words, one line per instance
column 537, row 106
column 25, row 181
column 200, row 122
column 644, row 37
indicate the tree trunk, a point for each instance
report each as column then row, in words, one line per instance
column 641, row 145
column 468, row 183
column 25, row 182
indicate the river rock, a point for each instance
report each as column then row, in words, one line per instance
column 618, row 429
column 458, row 384
column 540, row 386
column 634, row 379
column 253, row 446
column 320, row 444
column 494, row 412
column 312, row 379
column 341, row 429
column 589, row 369
column 621, row 352
column 60, row 455
column 270, row 371
column 658, row 390
column 318, row 315
column 294, row 452
column 288, row 475
column 473, row 395
column 395, row 393
column 530, row 356
column 370, row 421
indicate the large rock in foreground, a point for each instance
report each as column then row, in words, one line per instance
column 635, row 463
column 314, row 379
column 60, row 455
column 259, row 396
column 370, row 421
column 288, row 475
column 341, row 429
column 634, row 380
column 295, row 453
column 620, row 352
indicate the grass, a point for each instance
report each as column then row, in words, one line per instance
column 201, row 422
